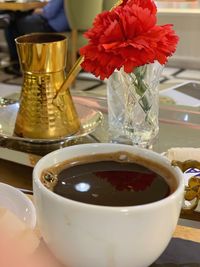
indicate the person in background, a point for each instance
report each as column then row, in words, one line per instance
column 51, row 18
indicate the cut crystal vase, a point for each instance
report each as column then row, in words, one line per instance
column 133, row 105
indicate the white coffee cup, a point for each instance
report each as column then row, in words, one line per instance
column 86, row 235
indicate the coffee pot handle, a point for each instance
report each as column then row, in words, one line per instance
column 70, row 77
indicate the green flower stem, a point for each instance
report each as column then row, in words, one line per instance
column 140, row 86
column 137, row 78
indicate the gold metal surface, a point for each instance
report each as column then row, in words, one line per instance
column 119, row 2
column 43, row 61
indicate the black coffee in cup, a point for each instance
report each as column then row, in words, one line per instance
column 114, row 179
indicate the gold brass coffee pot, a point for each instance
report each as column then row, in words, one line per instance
column 46, row 108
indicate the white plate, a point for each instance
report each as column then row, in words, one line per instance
column 90, row 118
column 18, row 203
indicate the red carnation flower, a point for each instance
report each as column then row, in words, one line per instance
column 127, row 36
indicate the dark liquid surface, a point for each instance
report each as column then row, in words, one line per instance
column 110, row 183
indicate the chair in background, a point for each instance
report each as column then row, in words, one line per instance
column 4, row 20
column 80, row 14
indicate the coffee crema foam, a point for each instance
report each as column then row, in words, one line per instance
column 112, row 179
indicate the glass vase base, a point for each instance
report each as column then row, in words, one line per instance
column 123, row 139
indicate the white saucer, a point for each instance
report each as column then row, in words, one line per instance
column 90, row 118
column 18, row 203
